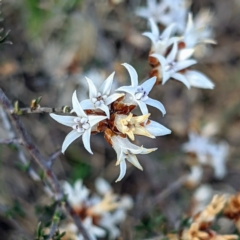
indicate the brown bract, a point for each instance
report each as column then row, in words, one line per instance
column 155, row 64
column 108, row 126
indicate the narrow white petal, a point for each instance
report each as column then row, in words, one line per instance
column 95, row 119
column 92, row 88
column 123, row 167
column 156, row 104
column 133, row 74
column 184, row 64
column 87, row 104
column 154, row 28
column 165, row 76
column 160, row 58
column 181, row 78
column 134, row 161
column 77, row 107
column 147, row 150
column 185, row 53
column 105, row 108
column 198, row 79
column 151, row 36
column 113, row 97
column 107, row 85
column 143, row 107
column 97, row 231
column 128, row 89
column 73, row 135
column 157, row 129
column 168, row 31
column 67, row 188
column 148, row 85
column 65, row 120
column 172, row 55
column 86, row 140
column 210, row 41
column 189, row 23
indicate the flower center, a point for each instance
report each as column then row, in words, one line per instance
column 170, row 66
column 99, row 99
column 141, row 94
column 81, row 124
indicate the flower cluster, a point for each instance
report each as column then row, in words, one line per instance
column 232, row 210
column 204, row 152
column 200, row 223
column 171, row 56
column 100, row 212
column 111, row 113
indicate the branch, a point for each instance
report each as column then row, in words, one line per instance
column 21, row 111
column 7, row 125
column 53, row 157
column 37, row 156
column 170, row 189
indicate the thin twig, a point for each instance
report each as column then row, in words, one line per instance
column 21, row 155
column 21, row 111
column 37, row 156
column 170, row 189
column 53, row 157
column 164, row 194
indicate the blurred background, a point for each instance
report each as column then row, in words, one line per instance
column 55, row 44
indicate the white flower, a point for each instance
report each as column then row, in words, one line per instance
column 199, row 145
column 102, row 186
column 170, row 67
column 201, row 197
column 97, row 74
column 139, row 93
column 76, row 195
column 100, row 98
column 198, row 30
column 110, row 220
column 81, row 124
column 126, row 151
column 160, row 42
column 195, row 176
column 139, row 125
column 166, row 12
column 176, row 13
column 153, row 10
column 219, row 153
column 94, row 231
column 208, row 153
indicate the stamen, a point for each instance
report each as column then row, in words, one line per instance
column 80, row 130
column 86, row 125
column 75, row 127
column 98, row 104
column 84, row 120
column 77, row 120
